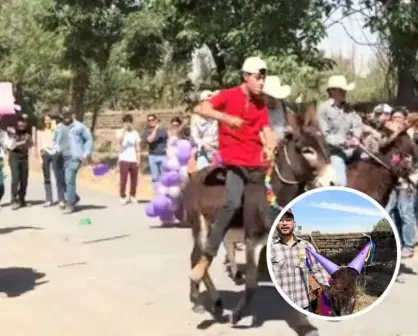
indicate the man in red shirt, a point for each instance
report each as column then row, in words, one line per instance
column 243, row 117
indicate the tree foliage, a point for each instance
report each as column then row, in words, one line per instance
column 382, row 225
column 125, row 54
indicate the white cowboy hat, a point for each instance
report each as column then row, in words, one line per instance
column 253, row 65
column 205, row 94
column 273, row 88
column 339, row 82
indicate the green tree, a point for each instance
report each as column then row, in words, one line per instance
column 382, row 225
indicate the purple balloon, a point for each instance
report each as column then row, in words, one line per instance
column 170, row 179
column 171, row 164
column 184, row 145
column 150, row 211
column 184, row 155
column 160, row 203
column 166, row 216
column 101, row 169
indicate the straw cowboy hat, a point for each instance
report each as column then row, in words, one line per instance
column 273, row 88
column 340, row 82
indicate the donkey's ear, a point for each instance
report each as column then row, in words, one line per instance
column 293, row 121
column 310, row 116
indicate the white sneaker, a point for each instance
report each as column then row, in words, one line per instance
column 124, row 201
column 133, row 200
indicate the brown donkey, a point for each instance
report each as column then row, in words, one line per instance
column 300, row 161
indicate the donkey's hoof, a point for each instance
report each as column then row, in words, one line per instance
column 197, row 308
column 234, row 319
column 238, row 278
column 218, row 309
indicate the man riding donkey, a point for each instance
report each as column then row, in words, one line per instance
column 341, row 125
column 243, row 117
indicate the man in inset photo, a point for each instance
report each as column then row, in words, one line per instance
column 288, row 258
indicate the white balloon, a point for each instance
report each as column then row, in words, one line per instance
column 183, row 172
column 174, row 192
column 162, row 190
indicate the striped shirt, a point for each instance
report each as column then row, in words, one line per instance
column 290, row 271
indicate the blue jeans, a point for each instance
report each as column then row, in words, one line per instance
column 155, row 162
column 338, row 163
column 203, row 161
column 401, row 207
column 71, row 167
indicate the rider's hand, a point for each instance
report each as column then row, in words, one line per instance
column 353, row 142
column 231, row 121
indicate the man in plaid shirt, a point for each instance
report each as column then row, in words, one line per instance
column 289, row 266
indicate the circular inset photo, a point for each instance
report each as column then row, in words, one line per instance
column 333, row 253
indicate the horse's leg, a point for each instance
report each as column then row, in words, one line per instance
column 253, row 249
column 217, row 304
column 194, row 296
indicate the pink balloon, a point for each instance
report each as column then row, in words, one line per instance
column 7, row 99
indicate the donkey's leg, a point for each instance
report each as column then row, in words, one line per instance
column 229, row 243
column 251, row 279
column 217, row 304
column 194, row 295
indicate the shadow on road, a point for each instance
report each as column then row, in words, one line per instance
column 403, row 269
column 18, row 228
column 84, row 207
column 15, row 281
column 105, row 239
column 267, row 305
column 170, row 226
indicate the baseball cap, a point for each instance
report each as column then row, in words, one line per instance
column 288, row 214
column 253, row 65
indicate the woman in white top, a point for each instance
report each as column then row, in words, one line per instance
column 204, row 133
column 49, row 159
column 129, row 159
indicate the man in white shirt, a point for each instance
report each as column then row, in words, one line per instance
column 129, row 159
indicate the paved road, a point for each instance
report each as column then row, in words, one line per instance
column 61, row 278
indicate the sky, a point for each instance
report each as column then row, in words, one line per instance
column 340, row 40
column 336, row 211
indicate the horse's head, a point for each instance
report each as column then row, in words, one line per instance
column 342, row 291
column 307, row 148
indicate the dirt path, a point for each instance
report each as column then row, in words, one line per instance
column 124, row 276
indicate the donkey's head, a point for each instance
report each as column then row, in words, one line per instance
column 342, row 288
column 307, row 148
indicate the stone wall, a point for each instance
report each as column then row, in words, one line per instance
column 342, row 248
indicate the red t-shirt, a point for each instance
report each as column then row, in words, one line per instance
column 241, row 147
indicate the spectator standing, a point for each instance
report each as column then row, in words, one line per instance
column 18, row 141
column 48, row 157
column 156, row 137
column 74, row 143
column 129, row 159
column 402, row 200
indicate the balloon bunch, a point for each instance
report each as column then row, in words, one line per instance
column 165, row 204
